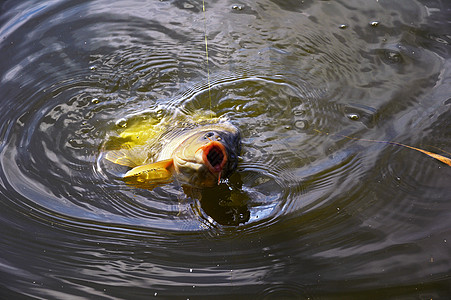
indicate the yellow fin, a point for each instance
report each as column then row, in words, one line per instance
column 155, row 172
column 124, row 157
column 140, row 134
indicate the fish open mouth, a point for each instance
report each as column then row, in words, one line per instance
column 214, row 156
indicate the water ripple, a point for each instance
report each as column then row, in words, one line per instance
column 307, row 83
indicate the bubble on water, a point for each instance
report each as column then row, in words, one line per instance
column 95, row 100
column 121, row 123
column 440, row 40
column 92, row 68
column 353, row 116
column 301, row 124
column 374, row 23
column 343, row 26
column 393, row 56
column 238, row 7
column 299, row 112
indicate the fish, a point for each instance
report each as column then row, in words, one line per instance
column 196, row 154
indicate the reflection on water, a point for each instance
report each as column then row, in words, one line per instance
column 306, row 214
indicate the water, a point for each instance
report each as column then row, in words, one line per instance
column 308, row 214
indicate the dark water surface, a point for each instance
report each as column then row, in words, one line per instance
column 307, row 215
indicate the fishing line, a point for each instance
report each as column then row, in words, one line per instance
column 206, row 55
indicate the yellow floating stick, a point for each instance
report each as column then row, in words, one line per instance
column 439, row 157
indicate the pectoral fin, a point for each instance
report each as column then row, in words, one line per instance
column 159, row 172
column 126, row 157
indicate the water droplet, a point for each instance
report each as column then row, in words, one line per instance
column 374, row 23
column 353, row 116
column 121, row 123
column 155, row 294
column 343, row 26
column 191, row 270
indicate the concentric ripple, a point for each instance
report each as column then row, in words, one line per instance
column 319, row 206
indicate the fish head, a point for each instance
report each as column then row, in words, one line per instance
column 207, row 155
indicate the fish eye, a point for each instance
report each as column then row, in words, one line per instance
column 209, row 134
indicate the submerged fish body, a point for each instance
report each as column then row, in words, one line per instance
column 198, row 154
